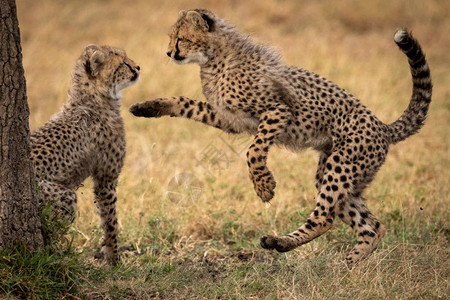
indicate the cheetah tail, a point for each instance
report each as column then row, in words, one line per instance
column 414, row 116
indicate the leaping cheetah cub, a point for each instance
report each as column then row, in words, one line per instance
column 86, row 138
column 248, row 89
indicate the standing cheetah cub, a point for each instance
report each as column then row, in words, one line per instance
column 86, row 138
column 248, row 89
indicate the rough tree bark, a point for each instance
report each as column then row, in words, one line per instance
column 19, row 218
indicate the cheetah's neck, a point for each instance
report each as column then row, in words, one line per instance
column 84, row 93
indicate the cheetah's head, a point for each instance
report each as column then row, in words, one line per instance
column 190, row 37
column 108, row 70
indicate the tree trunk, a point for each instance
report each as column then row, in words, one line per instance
column 19, row 218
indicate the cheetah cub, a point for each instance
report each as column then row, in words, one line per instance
column 248, row 89
column 86, row 138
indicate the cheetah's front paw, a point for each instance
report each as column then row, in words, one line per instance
column 109, row 256
column 149, row 109
column 264, row 184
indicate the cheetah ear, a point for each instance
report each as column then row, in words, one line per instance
column 196, row 19
column 95, row 61
column 182, row 13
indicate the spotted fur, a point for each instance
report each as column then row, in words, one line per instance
column 248, row 89
column 86, row 138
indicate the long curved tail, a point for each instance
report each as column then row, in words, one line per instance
column 414, row 116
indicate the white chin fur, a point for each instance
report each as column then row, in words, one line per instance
column 178, row 62
column 116, row 92
column 197, row 58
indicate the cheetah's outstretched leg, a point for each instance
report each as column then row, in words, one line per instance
column 369, row 230
column 320, row 220
column 105, row 200
column 272, row 123
column 186, row 108
column 64, row 199
column 332, row 189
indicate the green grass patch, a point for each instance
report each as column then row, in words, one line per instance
column 39, row 275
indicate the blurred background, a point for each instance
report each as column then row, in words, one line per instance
column 185, row 186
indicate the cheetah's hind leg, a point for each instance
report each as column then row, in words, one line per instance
column 57, row 206
column 62, row 200
column 369, row 230
column 321, row 219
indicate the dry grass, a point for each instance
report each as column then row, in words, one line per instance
column 207, row 231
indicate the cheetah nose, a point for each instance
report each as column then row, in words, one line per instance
column 138, row 68
column 169, row 53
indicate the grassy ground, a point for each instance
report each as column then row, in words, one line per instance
column 189, row 218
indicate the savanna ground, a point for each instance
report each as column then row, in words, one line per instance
column 190, row 220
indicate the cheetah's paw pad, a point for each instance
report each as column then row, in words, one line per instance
column 271, row 242
column 148, row 109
